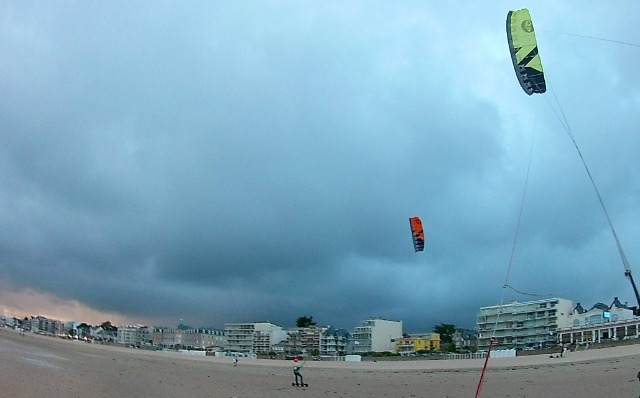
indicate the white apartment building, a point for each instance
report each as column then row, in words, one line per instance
column 135, row 335
column 254, row 337
column 376, row 335
column 179, row 338
column 335, row 342
column 303, row 340
column 600, row 323
column 42, row 324
column 520, row 325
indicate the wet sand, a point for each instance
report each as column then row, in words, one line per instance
column 33, row 365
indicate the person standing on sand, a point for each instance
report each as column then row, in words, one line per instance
column 296, row 371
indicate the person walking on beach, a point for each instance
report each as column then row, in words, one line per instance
column 563, row 350
column 296, row 371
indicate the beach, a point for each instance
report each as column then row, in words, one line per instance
column 33, row 365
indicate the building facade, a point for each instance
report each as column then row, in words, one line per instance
column 600, row 323
column 188, row 339
column 254, row 337
column 376, row 335
column 133, row 335
column 335, row 342
column 303, row 340
column 523, row 324
column 41, row 324
column 465, row 339
column 415, row 343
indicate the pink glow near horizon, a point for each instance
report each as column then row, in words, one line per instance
column 32, row 303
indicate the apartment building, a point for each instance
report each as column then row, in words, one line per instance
column 133, row 335
column 600, row 323
column 335, row 342
column 303, row 340
column 203, row 339
column 413, row 343
column 188, row 338
column 523, row 324
column 254, row 337
column 42, row 324
column 376, row 335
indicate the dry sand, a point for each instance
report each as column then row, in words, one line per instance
column 38, row 366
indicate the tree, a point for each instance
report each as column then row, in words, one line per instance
column 83, row 329
column 108, row 326
column 305, row 321
column 446, row 332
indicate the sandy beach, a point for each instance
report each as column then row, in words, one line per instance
column 33, row 365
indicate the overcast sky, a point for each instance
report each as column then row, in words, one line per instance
column 225, row 161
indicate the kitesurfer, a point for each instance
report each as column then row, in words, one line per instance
column 296, row 371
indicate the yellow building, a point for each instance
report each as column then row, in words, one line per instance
column 418, row 342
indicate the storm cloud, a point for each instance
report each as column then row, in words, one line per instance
column 223, row 161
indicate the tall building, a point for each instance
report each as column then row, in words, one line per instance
column 43, row 324
column 239, row 336
column 520, row 325
column 376, row 335
column 303, row 340
column 133, row 335
column 254, row 337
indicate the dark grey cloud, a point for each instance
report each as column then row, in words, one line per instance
column 222, row 162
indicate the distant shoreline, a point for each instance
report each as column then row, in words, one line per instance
column 602, row 353
column 34, row 365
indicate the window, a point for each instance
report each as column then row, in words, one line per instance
column 594, row 319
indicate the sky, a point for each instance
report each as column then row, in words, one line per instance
column 223, row 161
